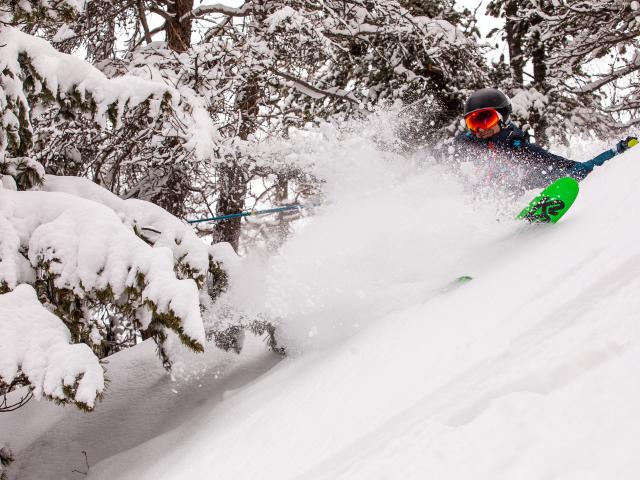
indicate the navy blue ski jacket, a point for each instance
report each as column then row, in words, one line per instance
column 508, row 159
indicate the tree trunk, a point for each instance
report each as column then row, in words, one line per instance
column 514, row 32
column 233, row 176
column 179, row 31
column 232, row 187
column 538, row 57
column 281, row 230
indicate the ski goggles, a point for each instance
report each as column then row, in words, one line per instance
column 484, row 119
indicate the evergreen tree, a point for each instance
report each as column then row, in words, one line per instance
column 601, row 61
column 554, row 59
column 84, row 273
column 257, row 70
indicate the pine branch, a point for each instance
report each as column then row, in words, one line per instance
column 18, row 382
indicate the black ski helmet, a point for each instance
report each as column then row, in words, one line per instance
column 488, row 98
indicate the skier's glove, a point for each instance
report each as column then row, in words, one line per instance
column 626, row 144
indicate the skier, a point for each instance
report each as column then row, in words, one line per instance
column 503, row 155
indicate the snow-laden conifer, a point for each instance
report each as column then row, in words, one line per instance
column 104, row 275
column 100, row 279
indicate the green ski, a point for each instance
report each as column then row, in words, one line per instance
column 552, row 203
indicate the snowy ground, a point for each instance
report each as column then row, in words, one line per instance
column 529, row 371
column 142, row 402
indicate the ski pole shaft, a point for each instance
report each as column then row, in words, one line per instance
column 251, row 213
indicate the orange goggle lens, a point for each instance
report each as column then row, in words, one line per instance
column 482, row 119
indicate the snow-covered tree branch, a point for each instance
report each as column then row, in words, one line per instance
column 37, row 346
column 219, row 8
column 83, row 261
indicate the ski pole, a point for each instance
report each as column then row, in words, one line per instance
column 251, row 213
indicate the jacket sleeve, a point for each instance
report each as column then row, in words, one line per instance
column 545, row 167
column 600, row 159
column 550, row 167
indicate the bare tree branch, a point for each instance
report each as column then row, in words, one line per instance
column 615, row 75
column 143, row 21
column 162, row 13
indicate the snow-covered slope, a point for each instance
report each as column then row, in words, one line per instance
column 142, row 402
column 529, row 371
